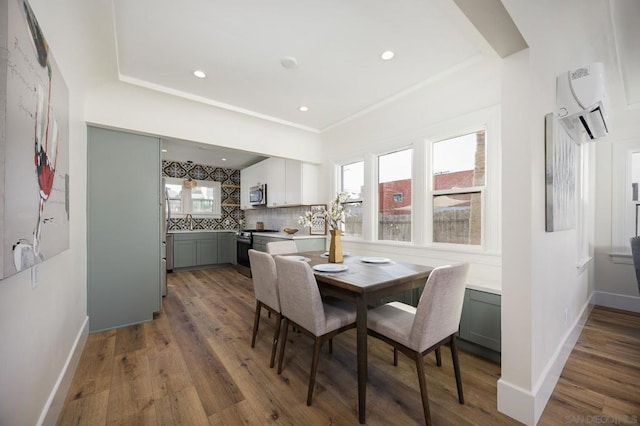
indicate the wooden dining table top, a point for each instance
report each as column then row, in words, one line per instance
column 367, row 278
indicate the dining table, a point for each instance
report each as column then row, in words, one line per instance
column 365, row 281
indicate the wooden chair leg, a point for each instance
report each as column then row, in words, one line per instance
column 423, row 387
column 276, row 334
column 395, row 356
column 317, row 344
column 438, row 357
column 330, row 346
column 456, row 368
column 283, row 342
column 256, row 321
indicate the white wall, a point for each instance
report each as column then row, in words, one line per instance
column 39, row 327
column 615, row 283
column 544, row 293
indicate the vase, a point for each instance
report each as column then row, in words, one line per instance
column 335, row 248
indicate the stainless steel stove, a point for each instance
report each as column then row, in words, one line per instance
column 244, row 242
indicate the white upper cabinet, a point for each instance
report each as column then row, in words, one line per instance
column 291, row 183
column 251, row 176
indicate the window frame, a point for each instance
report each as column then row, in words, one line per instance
column 422, row 208
column 376, row 195
column 431, row 193
column 340, row 186
column 187, row 201
column 623, row 217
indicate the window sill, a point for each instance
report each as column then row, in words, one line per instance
column 583, row 264
column 622, row 258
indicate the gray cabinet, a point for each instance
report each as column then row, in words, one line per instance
column 123, row 228
column 227, row 247
column 480, row 324
column 207, row 250
column 194, row 249
column 184, row 252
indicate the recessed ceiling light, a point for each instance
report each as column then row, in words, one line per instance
column 387, row 55
column 304, row 108
column 164, row 150
column 199, row 74
column 224, row 159
column 289, row 62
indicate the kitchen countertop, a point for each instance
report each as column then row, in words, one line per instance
column 297, row 236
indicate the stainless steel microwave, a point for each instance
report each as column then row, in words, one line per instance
column 258, row 195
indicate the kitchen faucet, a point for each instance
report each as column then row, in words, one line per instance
column 189, row 219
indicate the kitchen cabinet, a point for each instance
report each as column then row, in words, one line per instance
column 290, row 182
column 251, row 176
column 123, row 228
column 192, row 249
column 480, row 324
column 227, row 247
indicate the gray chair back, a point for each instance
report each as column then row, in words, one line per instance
column 440, row 306
column 265, row 279
column 300, row 298
column 282, row 247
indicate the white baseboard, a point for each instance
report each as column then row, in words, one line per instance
column 53, row 407
column 617, row 301
column 527, row 406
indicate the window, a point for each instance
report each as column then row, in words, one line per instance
column 202, row 200
column 458, row 181
column 352, row 180
column 625, row 179
column 394, row 195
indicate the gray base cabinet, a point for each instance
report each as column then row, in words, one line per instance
column 480, row 324
column 227, row 248
column 196, row 249
column 123, row 228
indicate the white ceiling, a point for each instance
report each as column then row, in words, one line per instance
column 211, row 155
column 240, row 44
column 337, row 44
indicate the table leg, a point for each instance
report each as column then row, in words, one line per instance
column 361, row 324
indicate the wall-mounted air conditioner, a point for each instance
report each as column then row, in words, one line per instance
column 580, row 98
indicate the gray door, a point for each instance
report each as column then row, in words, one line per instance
column 123, row 228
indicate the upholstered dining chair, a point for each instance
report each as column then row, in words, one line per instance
column 265, row 287
column 303, row 307
column 418, row 331
column 282, row 247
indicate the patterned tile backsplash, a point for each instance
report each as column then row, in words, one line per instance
column 232, row 217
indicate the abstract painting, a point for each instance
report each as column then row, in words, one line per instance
column 34, row 144
column 561, row 159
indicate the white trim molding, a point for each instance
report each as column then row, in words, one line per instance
column 527, row 406
column 53, row 407
column 617, row 301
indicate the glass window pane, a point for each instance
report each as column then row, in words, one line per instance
column 202, row 200
column 459, row 162
column 174, row 197
column 394, row 196
column 352, row 184
column 353, row 179
column 457, row 218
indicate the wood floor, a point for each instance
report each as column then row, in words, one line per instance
column 193, row 365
